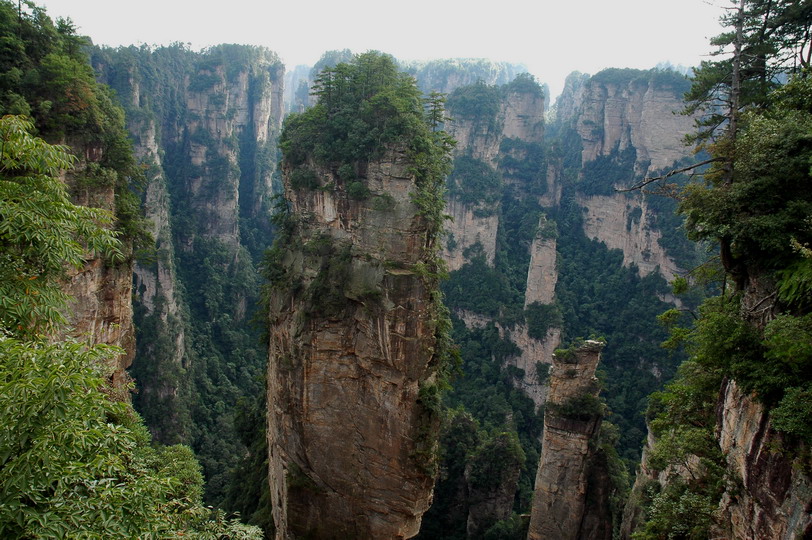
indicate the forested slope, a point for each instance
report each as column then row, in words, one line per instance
column 76, row 458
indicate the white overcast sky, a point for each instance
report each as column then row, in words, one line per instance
column 551, row 38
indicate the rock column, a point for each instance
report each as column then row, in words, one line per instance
column 571, row 421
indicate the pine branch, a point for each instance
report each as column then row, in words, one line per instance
column 646, row 181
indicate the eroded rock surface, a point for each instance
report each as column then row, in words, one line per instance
column 351, row 439
column 568, row 449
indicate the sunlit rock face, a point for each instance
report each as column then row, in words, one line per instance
column 352, row 341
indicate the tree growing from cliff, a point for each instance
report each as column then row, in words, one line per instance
column 74, row 456
column 41, row 231
column 755, row 202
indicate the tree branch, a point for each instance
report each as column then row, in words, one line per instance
column 646, row 181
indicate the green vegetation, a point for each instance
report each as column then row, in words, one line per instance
column 601, row 175
column 480, row 103
column 41, row 230
column 75, row 456
column 583, row 407
column 658, row 78
column 598, row 296
column 755, row 203
column 475, row 183
column 46, row 76
column 364, row 107
column 488, row 456
column 76, row 459
column 541, row 317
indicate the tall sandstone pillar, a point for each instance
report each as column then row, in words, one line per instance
column 351, row 427
column 571, row 424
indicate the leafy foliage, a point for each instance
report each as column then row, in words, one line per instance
column 41, row 230
column 47, row 77
column 73, row 459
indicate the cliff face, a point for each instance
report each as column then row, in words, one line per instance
column 100, row 309
column 350, row 432
column 467, row 228
column 156, row 292
column 618, row 112
column 242, row 104
column 205, row 128
column 769, row 487
column 571, row 426
column 773, row 501
column 505, row 145
column 628, row 128
column 624, row 223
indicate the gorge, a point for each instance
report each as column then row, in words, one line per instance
column 289, row 316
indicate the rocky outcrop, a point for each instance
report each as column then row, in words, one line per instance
column 773, row 500
column 351, row 431
column 523, row 116
column 617, row 109
column 629, row 127
column 466, row 229
column 100, row 310
column 542, row 275
column 623, row 222
column 571, row 424
column 244, row 104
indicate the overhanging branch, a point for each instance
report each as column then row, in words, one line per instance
column 646, row 181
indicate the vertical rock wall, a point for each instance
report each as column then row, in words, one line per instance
column 100, row 310
column 568, row 450
column 350, row 437
column 614, row 114
column 775, row 499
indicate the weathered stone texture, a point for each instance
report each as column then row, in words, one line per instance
column 567, row 450
column 350, row 440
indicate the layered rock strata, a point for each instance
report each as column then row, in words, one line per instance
column 571, row 425
column 776, row 488
column 351, row 433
